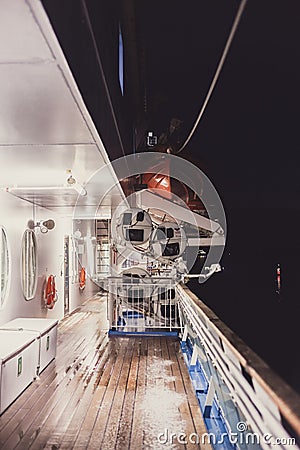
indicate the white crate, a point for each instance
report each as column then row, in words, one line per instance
column 19, row 352
column 46, row 333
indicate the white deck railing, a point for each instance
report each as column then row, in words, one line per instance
column 246, row 389
column 142, row 304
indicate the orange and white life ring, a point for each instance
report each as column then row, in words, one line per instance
column 82, row 278
column 50, row 292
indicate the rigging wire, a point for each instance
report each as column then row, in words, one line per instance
column 218, row 71
column 90, row 27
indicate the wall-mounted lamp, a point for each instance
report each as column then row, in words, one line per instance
column 77, row 234
column 72, row 182
column 43, row 225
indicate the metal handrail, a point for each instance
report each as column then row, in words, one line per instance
column 141, row 304
column 264, row 392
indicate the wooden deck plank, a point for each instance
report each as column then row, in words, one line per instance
column 108, row 393
column 169, row 379
column 125, row 423
column 136, row 436
column 185, row 410
column 79, row 416
column 56, row 415
column 71, row 354
column 16, row 429
column 77, row 404
column 83, row 437
column 40, row 421
column 111, row 432
column 106, row 405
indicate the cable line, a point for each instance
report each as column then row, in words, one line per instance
column 218, row 71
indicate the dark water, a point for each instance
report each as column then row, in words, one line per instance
column 244, row 294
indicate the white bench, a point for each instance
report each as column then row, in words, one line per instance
column 27, row 346
column 45, row 331
column 19, row 353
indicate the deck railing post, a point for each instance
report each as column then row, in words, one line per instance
column 185, row 332
column 194, row 357
column 209, row 398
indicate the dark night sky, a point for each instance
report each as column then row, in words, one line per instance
column 249, row 141
column 249, row 133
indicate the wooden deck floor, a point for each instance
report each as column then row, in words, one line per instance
column 105, row 393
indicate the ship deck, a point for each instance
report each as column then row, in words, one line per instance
column 105, row 393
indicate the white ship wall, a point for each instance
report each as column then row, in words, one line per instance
column 14, row 215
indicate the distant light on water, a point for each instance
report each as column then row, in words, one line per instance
column 278, row 279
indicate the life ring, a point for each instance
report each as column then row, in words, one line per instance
column 50, row 292
column 82, row 278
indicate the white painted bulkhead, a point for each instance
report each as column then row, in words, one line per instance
column 14, row 216
column 46, row 135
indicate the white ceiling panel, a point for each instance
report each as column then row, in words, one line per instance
column 45, row 128
column 41, row 172
column 38, row 108
column 20, row 36
column 46, row 165
column 67, row 201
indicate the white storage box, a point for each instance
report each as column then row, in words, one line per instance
column 19, row 352
column 46, row 333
